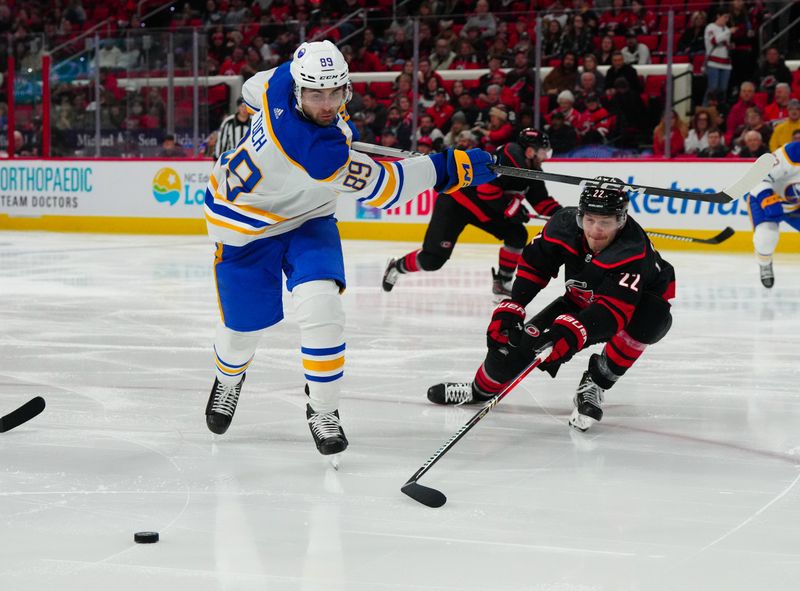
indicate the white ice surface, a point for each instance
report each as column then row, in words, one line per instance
column 690, row 481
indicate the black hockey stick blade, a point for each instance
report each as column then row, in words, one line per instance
column 430, row 497
column 719, row 238
column 23, row 414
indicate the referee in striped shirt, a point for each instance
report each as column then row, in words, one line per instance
column 233, row 129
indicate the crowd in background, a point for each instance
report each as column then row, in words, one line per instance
column 743, row 100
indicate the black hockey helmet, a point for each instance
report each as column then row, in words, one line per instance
column 530, row 137
column 604, row 200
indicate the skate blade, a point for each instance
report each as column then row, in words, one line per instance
column 334, row 460
column 580, row 422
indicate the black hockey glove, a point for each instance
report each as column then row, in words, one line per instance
column 515, row 211
column 506, row 325
column 566, row 336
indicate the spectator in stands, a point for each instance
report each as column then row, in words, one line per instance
column 616, row 20
column 233, row 65
column 466, row 140
column 389, row 138
column 489, row 99
column 753, row 145
column 428, row 95
column 586, row 86
column 442, row 56
column 399, row 127
column 237, row 13
column 427, row 128
column 590, row 18
column 467, row 58
column 458, row 123
column 619, row 69
column 556, row 12
column 562, row 77
column 743, row 42
column 441, row 110
column 590, row 65
column 736, row 115
column 402, row 87
column 75, row 13
column 109, row 55
column 483, row 20
column 677, row 134
column 212, row 15
column 253, row 63
column 499, row 131
column 425, row 145
column 718, row 58
column 364, row 131
column 715, row 147
column 631, row 116
column 494, row 76
column 466, row 105
column 366, row 60
column 552, row 41
column 566, row 106
column 597, row 122
column 563, row 136
column 778, row 108
column 606, row 51
column 782, row 134
column 375, row 113
column 796, row 136
column 772, row 71
column 753, row 121
column 635, row 52
column 643, row 21
column 170, row 148
column 697, row 138
column 400, row 47
column 577, row 37
column 692, row 40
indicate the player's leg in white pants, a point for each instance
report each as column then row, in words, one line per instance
column 318, row 307
column 765, row 241
column 234, row 351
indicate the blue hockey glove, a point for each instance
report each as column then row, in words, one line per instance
column 456, row 169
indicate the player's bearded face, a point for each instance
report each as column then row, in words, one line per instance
column 322, row 105
column 600, row 230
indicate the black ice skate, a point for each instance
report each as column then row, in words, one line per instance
column 221, row 405
column 501, row 283
column 390, row 275
column 767, row 275
column 327, row 431
column 588, row 402
column 452, row 393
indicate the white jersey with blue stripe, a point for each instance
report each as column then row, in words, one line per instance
column 287, row 169
column 784, row 179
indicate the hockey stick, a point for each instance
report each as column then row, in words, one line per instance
column 431, row 497
column 23, row 414
column 717, row 239
column 737, row 190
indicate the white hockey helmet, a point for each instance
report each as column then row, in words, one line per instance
column 319, row 64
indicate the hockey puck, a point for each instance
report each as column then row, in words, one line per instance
column 145, row 537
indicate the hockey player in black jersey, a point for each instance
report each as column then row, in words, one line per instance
column 494, row 207
column 617, row 291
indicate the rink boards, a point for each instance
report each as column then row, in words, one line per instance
column 166, row 197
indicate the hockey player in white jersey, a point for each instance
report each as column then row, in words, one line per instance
column 776, row 199
column 269, row 208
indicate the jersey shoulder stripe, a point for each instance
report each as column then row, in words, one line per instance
column 792, row 151
column 319, row 151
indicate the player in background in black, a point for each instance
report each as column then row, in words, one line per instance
column 494, row 207
column 617, row 291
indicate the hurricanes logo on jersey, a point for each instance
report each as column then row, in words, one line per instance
column 579, row 292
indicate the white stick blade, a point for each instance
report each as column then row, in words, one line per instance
column 753, row 176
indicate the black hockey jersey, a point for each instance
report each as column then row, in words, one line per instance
column 490, row 200
column 607, row 286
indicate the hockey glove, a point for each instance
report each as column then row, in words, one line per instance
column 516, row 212
column 506, row 325
column 567, row 336
column 771, row 203
column 456, row 169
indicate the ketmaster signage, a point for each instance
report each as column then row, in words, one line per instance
column 167, row 196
